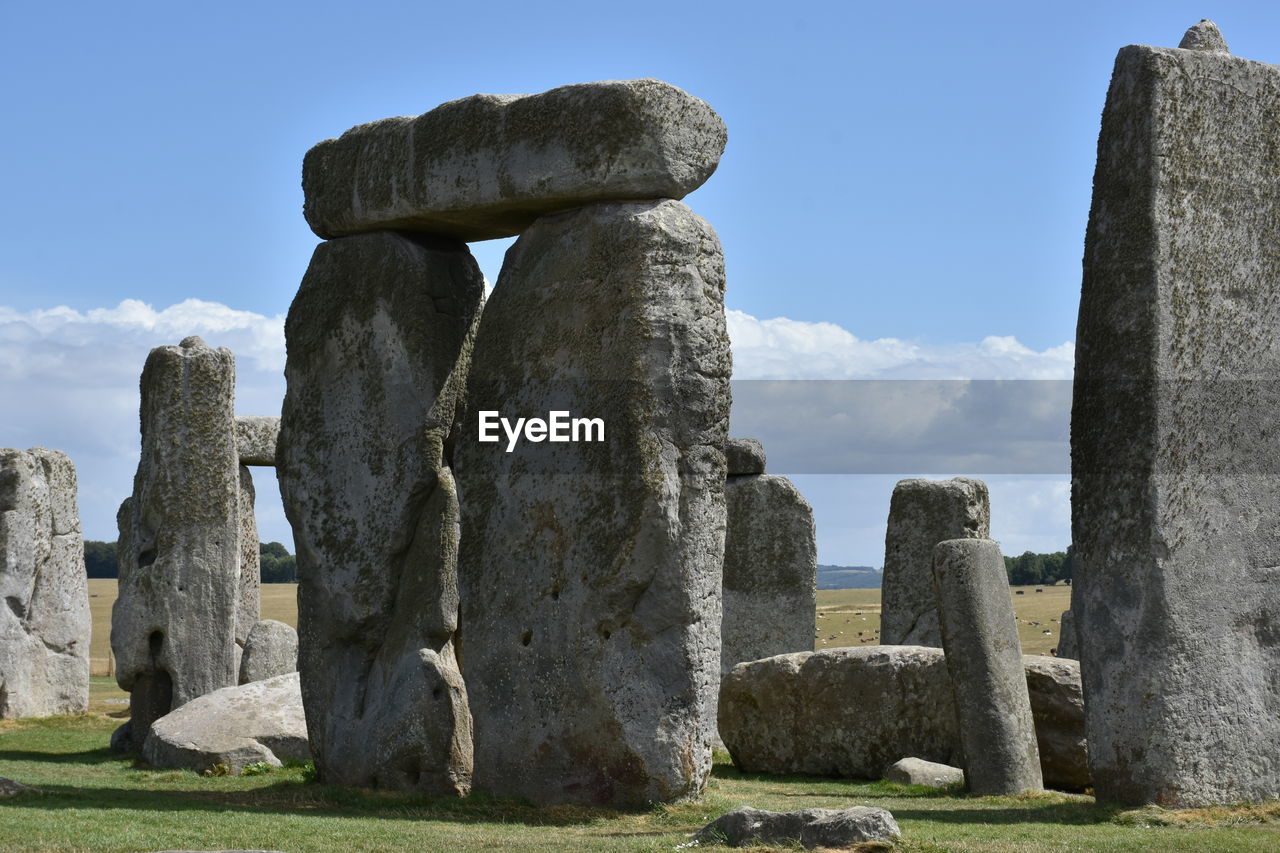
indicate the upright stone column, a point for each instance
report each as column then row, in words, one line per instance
column 923, row 513
column 44, row 629
column 590, row 572
column 374, row 336
column 984, row 657
column 173, row 626
column 1175, row 491
column 249, row 601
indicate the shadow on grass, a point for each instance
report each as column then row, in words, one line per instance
column 1068, row 814
column 90, row 756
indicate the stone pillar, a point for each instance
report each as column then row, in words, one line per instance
column 591, row 571
column 980, row 638
column 1174, row 454
column 923, row 513
column 1068, row 636
column 44, row 629
column 173, row 626
column 374, row 336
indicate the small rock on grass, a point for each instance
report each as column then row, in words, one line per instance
column 917, row 771
column 811, row 827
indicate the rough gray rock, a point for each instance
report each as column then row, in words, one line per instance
column 1174, row 457
column 256, row 439
column 235, row 726
column 1068, row 636
column 590, row 571
column 271, row 650
column 1204, row 36
column 173, row 625
column 810, row 827
column 744, row 456
column 489, row 165
column 44, row 629
column 249, row 602
column 1057, row 704
column 984, row 657
column 793, row 713
column 923, row 513
column 374, row 336
column 917, row 771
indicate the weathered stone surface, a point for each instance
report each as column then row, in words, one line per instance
column 249, row 600
column 256, row 439
column 1057, row 704
column 489, row 165
column 373, row 337
column 235, row 726
column 810, row 827
column 1204, row 36
column 591, row 571
column 917, row 771
column 923, row 513
column 1174, row 457
column 744, row 456
column 174, row 621
column 271, row 650
column 1068, row 636
column 984, row 657
column 44, row 627
column 793, row 713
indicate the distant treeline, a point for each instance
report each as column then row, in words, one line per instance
column 278, row 565
column 1030, row 569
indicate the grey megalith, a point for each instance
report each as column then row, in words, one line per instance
column 590, row 572
column 923, row 513
column 1173, row 451
column 256, row 437
column 374, row 336
column 44, row 629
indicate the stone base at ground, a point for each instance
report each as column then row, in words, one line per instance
column 810, row 827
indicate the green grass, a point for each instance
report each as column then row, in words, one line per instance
column 95, row 800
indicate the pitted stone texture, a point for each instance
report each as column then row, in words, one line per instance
column 984, row 657
column 489, row 165
column 374, row 336
column 1174, row 457
column 271, row 650
column 44, row 627
column 1057, row 704
column 249, row 605
column 1068, row 636
column 793, row 713
column 744, row 456
column 827, row 828
column 917, row 771
column 591, row 572
column 1204, row 36
column 923, row 513
column 174, row 621
column 235, row 726
column 256, row 439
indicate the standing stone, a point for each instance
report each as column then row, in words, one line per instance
column 744, row 456
column 1174, row 454
column 373, row 337
column 1057, row 704
column 1068, row 638
column 271, row 650
column 487, row 166
column 44, row 625
column 923, row 513
column 980, row 638
column 591, row 571
column 173, row 626
column 249, row 602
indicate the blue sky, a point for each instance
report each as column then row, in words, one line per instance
column 911, row 173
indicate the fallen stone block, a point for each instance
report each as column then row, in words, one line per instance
column 256, row 439
column 917, row 771
column 809, row 827
column 271, row 650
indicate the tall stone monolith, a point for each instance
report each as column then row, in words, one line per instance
column 44, row 627
column 1173, row 431
column 590, row 571
column 923, row 513
column 375, row 342
column 174, row 620
column 984, row 658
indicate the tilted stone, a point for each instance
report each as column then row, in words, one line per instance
column 1174, row 457
column 984, row 657
column 271, row 650
column 744, row 456
column 256, row 439
column 591, row 571
column 374, row 336
column 489, row 165
column 173, row 625
column 923, row 513
column 44, row 623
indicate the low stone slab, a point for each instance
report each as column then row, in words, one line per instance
column 256, row 439
column 744, row 456
column 917, row 771
column 235, row 726
column 271, row 650
column 488, row 165
column 810, row 827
